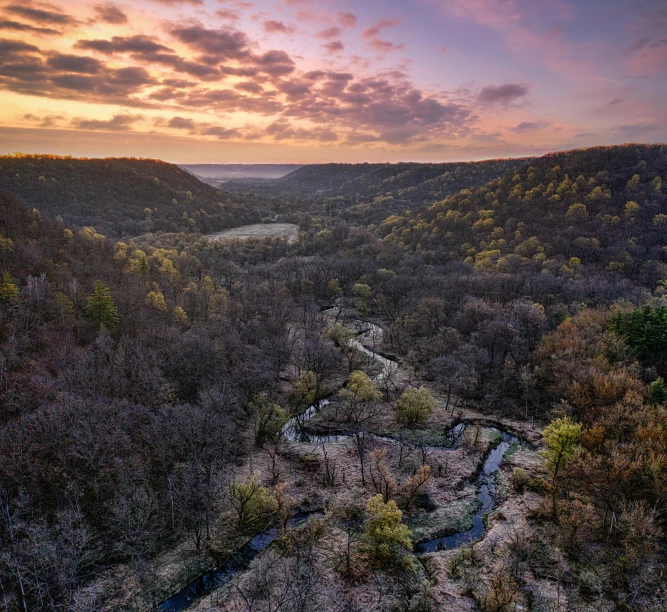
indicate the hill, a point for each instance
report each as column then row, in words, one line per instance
column 123, row 196
column 604, row 207
column 366, row 193
column 213, row 173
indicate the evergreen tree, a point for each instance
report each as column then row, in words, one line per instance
column 658, row 391
column 100, row 307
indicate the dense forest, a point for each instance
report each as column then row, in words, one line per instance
column 123, row 196
column 150, row 388
column 367, row 193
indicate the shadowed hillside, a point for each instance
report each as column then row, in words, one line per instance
column 366, row 193
column 122, row 196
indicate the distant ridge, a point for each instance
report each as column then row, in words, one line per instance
column 240, row 171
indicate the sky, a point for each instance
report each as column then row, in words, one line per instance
column 304, row 81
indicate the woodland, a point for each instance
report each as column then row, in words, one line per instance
column 447, row 393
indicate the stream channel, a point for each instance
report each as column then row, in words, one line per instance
column 294, row 431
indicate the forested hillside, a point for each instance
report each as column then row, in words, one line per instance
column 167, row 398
column 603, row 207
column 123, row 196
column 367, row 193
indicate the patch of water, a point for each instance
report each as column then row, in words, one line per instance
column 486, row 496
column 238, row 562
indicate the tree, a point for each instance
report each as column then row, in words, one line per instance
column 8, row 290
column 100, row 307
column 577, row 213
column 387, row 538
column 413, row 486
column 415, row 406
column 269, row 418
column 251, row 503
column 63, row 306
column 359, row 394
column 561, row 437
column 155, row 299
column 304, row 389
column 658, row 391
column 381, row 477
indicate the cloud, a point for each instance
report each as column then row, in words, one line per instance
column 224, row 43
column 7, row 24
column 75, row 63
column 228, row 14
column 46, row 121
column 40, row 15
column 333, row 32
column 271, row 26
column 306, row 16
column 181, row 123
column 443, row 50
column 347, row 20
column 123, row 44
column 334, row 47
column 372, row 36
column 177, row 2
column 110, row 13
column 530, row 126
column 118, row 122
column 502, row 94
column 220, row 132
column 24, row 69
column 249, row 87
column 282, row 130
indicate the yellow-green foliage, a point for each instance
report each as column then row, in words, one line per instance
column 415, row 406
column 386, row 537
column 561, row 437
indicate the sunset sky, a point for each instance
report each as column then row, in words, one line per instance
column 277, row 81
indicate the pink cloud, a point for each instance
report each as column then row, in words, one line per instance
column 372, row 36
column 334, row 47
column 228, row 14
column 347, row 20
column 272, row 27
column 333, row 32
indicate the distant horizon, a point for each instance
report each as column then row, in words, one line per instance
column 313, row 163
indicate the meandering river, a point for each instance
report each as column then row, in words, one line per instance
column 295, row 430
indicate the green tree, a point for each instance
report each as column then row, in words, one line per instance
column 100, row 307
column 658, row 391
column 386, row 537
column 577, row 213
column 414, row 406
column 334, row 287
column 8, row 290
column 304, row 389
column 268, row 418
column 155, row 299
column 363, row 292
column 359, row 393
column 561, row 438
column 252, row 504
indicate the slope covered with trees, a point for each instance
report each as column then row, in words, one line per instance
column 123, row 196
column 603, row 207
column 366, row 193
